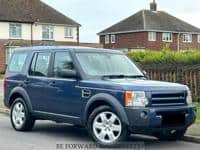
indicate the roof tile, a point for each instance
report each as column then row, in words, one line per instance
column 32, row 11
column 146, row 20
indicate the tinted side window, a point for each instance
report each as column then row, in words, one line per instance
column 17, row 62
column 40, row 64
column 62, row 62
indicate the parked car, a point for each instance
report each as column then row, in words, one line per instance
column 102, row 90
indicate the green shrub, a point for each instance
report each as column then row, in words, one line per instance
column 165, row 56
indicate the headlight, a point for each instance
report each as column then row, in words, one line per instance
column 189, row 97
column 135, row 98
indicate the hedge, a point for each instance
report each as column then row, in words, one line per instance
column 165, row 57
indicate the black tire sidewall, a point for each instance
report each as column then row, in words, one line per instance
column 124, row 132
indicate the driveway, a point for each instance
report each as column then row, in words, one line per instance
column 48, row 135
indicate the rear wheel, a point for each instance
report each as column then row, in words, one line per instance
column 20, row 117
column 106, row 126
column 171, row 135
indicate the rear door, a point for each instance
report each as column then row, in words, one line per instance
column 37, row 82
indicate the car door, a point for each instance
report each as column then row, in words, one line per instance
column 66, row 98
column 37, row 82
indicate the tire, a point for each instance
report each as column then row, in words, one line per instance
column 170, row 136
column 20, row 116
column 106, row 132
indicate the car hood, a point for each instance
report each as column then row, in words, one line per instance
column 149, row 85
column 139, row 84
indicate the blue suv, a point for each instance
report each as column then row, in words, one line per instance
column 102, row 90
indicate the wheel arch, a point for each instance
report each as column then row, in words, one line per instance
column 19, row 92
column 105, row 99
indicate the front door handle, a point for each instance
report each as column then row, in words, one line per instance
column 26, row 81
column 53, row 84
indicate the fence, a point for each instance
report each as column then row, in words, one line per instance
column 189, row 75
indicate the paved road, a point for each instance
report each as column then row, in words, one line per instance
column 46, row 135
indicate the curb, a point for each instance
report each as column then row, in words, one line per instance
column 4, row 111
column 193, row 139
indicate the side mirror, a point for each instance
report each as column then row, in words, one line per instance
column 68, row 73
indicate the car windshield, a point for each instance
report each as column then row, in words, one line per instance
column 107, row 65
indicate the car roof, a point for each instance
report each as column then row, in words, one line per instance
column 70, row 48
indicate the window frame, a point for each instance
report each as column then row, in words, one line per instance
column 70, row 30
column 113, row 38
column 53, row 63
column 11, row 36
column 107, row 39
column 198, row 38
column 50, row 30
column 152, row 36
column 49, row 66
column 169, row 33
column 187, row 35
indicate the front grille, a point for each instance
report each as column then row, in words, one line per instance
column 163, row 99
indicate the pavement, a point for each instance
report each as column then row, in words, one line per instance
column 48, row 135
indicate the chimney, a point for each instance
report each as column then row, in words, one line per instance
column 153, row 6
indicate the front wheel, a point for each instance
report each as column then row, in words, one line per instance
column 20, row 116
column 106, row 126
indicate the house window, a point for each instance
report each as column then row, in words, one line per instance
column 9, row 52
column 167, row 37
column 187, row 38
column 198, row 38
column 68, row 32
column 113, row 38
column 152, row 36
column 47, row 32
column 15, row 30
column 107, row 39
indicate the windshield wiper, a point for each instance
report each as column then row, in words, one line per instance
column 122, row 76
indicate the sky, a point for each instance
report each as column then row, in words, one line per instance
column 96, row 15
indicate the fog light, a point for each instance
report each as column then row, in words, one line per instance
column 143, row 115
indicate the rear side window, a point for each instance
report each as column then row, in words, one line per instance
column 17, row 62
column 40, row 64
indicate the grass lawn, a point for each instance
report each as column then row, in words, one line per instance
column 198, row 113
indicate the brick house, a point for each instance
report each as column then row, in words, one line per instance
column 152, row 30
column 32, row 22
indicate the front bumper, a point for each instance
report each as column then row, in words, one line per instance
column 155, row 119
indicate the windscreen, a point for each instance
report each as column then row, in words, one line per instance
column 101, row 64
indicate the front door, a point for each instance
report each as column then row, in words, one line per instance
column 65, row 98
